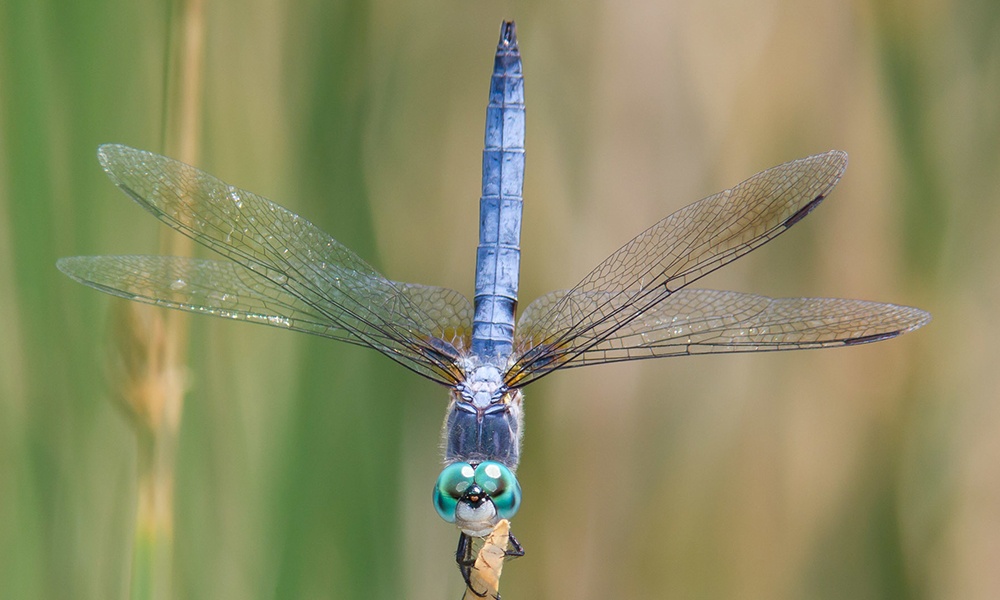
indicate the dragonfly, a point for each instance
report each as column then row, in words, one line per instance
column 281, row 270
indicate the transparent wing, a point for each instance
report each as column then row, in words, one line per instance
column 225, row 289
column 692, row 321
column 671, row 254
column 291, row 270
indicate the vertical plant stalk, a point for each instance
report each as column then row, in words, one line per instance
column 151, row 342
column 485, row 575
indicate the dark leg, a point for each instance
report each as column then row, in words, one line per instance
column 465, row 561
column 516, row 550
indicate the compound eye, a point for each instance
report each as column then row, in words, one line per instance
column 502, row 487
column 451, row 484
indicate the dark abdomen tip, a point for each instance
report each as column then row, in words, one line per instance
column 508, row 34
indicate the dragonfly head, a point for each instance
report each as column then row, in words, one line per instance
column 475, row 498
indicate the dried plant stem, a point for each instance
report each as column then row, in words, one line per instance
column 485, row 575
column 151, row 343
column 154, row 519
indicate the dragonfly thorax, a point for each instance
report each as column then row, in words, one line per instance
column 483, row 386
column 484, row 419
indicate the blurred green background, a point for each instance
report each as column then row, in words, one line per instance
column 305, row 467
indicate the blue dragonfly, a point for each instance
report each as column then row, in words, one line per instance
column 283, row 271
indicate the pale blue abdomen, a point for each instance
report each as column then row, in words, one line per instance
column 498, row 257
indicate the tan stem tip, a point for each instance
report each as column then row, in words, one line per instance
column 485, row 575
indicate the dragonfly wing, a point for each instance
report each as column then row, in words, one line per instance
column 284, row 254
column 693, row 321
column 676, row 251
column 224, row 289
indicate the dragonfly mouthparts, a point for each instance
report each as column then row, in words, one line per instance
column 474, row 495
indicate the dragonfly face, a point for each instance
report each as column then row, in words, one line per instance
column 283, row 271
column 476, row 497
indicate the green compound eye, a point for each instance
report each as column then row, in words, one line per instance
column 502, row 487
column 450, row 486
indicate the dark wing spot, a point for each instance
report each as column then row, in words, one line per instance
column 875, row 337
column 802, row 212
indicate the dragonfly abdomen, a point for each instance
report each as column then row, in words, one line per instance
column 498, row 257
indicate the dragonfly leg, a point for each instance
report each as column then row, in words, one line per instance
column 516, row 550
column 465, row 560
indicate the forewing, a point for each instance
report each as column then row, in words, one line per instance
column 693, row 321
column 290, row 264
column 676, row 251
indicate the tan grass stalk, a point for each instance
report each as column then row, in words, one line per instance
column 485, row 575
column 151, row 342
